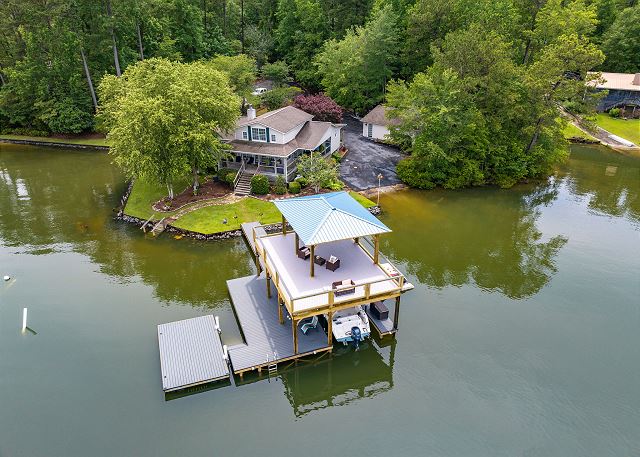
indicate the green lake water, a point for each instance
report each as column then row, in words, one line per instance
column 521, row 338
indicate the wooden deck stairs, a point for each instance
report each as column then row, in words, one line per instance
column 243, row 186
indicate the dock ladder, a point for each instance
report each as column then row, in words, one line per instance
column 272, row 367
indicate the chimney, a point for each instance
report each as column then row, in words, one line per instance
column 251, row 112
column 636, row 80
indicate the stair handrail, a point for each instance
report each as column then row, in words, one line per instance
column 238, row 175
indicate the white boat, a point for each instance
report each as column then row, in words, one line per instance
column 351, row 325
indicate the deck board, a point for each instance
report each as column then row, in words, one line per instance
column 263, row 333
column 190, row 353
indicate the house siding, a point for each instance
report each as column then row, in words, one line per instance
column 378, row 132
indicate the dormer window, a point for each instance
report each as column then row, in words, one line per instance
column 244, row 134
column 258, row 134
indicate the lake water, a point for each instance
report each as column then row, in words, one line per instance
column 521, row 338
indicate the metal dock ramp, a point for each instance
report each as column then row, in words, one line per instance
column 267, row 341
column 247, row 230
column 191, row 353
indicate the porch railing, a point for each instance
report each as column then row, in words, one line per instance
column 236, row 180
column 327, row 300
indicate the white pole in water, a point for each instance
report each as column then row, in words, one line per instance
column 24, row 319
column 217, row 323
column 225, row 354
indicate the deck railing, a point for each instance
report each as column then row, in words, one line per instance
column 328, row 300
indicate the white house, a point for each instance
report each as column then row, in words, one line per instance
column 271, row 143
column 376, row 123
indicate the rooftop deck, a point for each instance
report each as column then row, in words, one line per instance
column 303, row 292
column 267, row 341
column 190, row 353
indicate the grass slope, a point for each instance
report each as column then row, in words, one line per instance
column 627, row 129
column 571, row 131
column 46, row 139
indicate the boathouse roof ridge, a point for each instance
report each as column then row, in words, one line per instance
column 329, row 217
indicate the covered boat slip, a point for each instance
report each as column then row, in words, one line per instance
column 191, row 353
column 268, row 341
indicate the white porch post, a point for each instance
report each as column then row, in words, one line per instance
column 286, row 171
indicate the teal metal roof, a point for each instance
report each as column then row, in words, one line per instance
column 329, row 217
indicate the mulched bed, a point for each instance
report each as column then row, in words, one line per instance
column 208, row 189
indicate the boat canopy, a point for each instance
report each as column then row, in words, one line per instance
column 329, row 217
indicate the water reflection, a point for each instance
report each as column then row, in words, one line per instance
column 610, row 181
column 70, row 208
column 345, row 377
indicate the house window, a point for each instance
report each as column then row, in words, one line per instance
column 273, row 138
column 244, row 134
column 370, row 130
column 258, row 134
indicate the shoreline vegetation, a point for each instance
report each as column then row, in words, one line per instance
column 211, row 219
column 89, row 141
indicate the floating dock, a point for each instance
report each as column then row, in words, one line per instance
column 268, row 342
column 191, row 353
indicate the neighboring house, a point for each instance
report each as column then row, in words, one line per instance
column 623, row 92
column 271, row 143
column 376, row 123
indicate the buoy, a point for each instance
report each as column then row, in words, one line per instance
column 7, row 277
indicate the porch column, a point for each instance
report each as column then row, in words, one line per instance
column 376, row 249
column 284, row 225
column 397, row 314
column 294, row 325
column 312, row 263
column 297, row 243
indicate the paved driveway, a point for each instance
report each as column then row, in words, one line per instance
column 367, row 159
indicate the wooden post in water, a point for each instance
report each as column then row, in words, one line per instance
column 397, row 314
column 312, row 263
column 294, row 325
column 280, row 318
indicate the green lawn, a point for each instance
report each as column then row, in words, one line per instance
column 629, row 130
column 210, row 219
column 46, row 139
column 143, row 195
column 571, row 131
column 364, row 201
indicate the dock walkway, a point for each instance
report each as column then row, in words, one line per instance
column 267, row 341
column 191, row 353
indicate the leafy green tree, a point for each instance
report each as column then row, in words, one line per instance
column 279, row 97
column 356, row 69
column 317, row 170
column 621, row 43
column 278, row 72
column 162, row 118
column 240, row 69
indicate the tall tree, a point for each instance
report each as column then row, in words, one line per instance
column 621, row 43
column 162, row 118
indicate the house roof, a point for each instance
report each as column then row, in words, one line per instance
column 329, row 217
column 379, row 116
column 283, row 119
column 620, row 81
column 309, row 137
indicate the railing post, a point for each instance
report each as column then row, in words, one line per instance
column 367, row 290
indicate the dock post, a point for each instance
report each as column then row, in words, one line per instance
column 24, row 319
column 280, row 318
column 294, row 324
column 376, row 249
column 397, row 314
column 329, row 328
column 268, row 286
